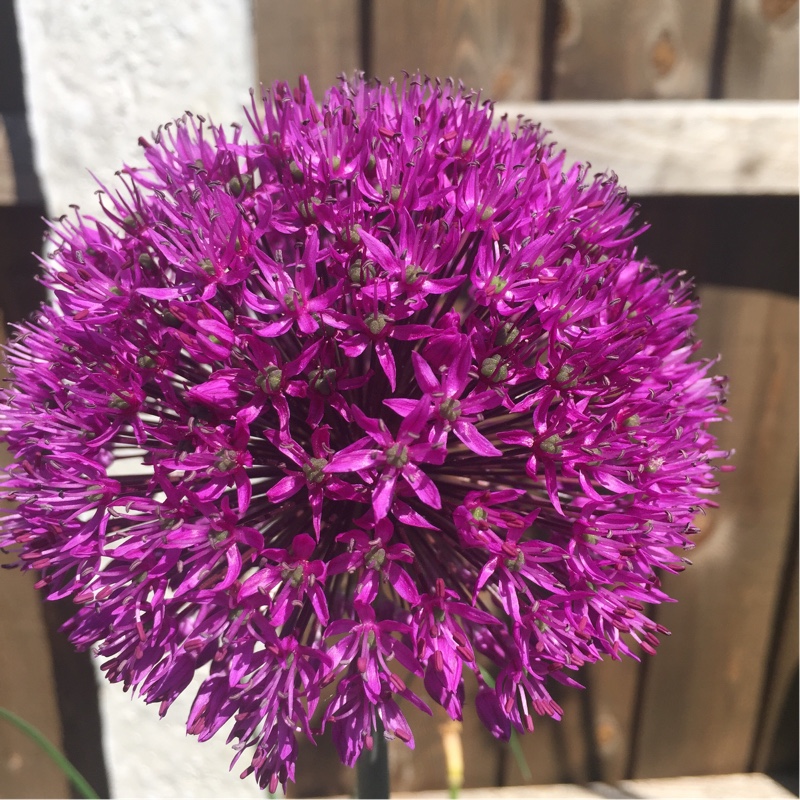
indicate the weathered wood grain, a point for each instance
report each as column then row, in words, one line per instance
column 783, row 673
column 8, row 185
column 702, row 693
column 425, row 767
column 762, row 53
column 613, row 49
column 492, row 45
column 611, row 695
column 671, row 147
column 320, row 40
column 27, row 689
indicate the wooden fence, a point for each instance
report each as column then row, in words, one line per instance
column 712, row 699
column 717, row 696
column 542, row 49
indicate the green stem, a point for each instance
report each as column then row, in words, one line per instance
column 372, row 769
column 80, row 783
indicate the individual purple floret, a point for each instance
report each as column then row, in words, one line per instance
column 381, row 391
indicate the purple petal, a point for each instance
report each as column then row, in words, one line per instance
column 355, row 345
column 244, row 491
column 319, row 603
column 402, row 583
column 480, row 401
column 352, row 461
column 551, row 481
column 404, row 513
column 438, row 686
column 458, row 374
column 307, row 323
column 491, row 714
column 234, row 568
column 273, row 329
column 416, row 420
column 486, row 573
column 401, row 405
column 163, row 294
column 422, row 485
column 386, row 360
column 285, row 488
column 424, row 374
column 378, row 250
column 383, row 494
column 303, row 546
column 395, row 723
column 516, row 436
column 412, row 332
column 474, row 439
column 375, row 428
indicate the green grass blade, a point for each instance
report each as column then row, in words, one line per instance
column 80, row 783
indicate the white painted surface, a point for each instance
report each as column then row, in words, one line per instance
column 98, row 75
column 148, row 757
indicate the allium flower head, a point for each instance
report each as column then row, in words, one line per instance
column 381, row 390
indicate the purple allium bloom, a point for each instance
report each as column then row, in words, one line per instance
column 407, row 402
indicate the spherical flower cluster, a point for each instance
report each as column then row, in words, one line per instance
column 383, row 393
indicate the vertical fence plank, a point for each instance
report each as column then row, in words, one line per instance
column 612, row 695
column 425, row 767
column 27, row 689
column 320, row 40
column 555, row 752
column 319, row 771
column 701, row 698
column 26, row 686
column 762, row 53
column 612, row 49
column 769, row 747
column 492, row 45
column 8, row 185
column 77, row 696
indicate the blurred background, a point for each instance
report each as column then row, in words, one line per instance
column 693, row 103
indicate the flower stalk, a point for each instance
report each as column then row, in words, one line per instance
column 372, row 768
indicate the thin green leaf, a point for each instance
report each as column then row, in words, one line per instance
column 487, row 677
column 516, row 750
column 513, row 742
column 80, row 783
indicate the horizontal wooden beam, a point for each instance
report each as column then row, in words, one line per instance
column 721, row 147
column 740, row 785
column 655, row 147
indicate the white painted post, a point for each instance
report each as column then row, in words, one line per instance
column 97, row 76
